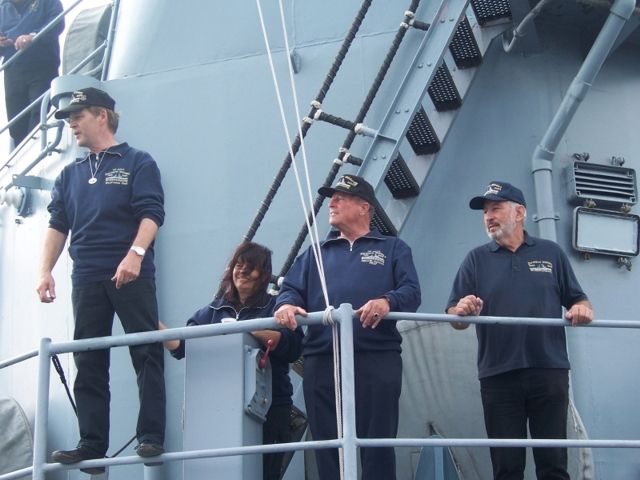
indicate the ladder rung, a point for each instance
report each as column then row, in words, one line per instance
column 488, row 11
column 464, row 47
column 400, row 180
column 383, row 223
column 443, row 90
column 421, row 135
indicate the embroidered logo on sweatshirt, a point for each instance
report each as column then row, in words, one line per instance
column 117, row 176
column 543, row 266
column 373, row 257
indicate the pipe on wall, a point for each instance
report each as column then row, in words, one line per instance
column 541, row 162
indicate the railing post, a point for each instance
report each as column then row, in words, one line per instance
column 42, row 410
column 348, row 392
column 153, row 472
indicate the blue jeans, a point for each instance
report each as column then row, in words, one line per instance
column 94, row 305
column 539, row 396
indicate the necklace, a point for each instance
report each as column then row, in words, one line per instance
column 99, row 159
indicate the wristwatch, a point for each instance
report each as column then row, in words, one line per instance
column 138, row 250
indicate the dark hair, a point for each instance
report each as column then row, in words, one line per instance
column 253, row 256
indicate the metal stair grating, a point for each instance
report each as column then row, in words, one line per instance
column 400, row 180
column 383, row 223
column 421, row 135
column 464, row 47
column 443, row 90
column 488, row 11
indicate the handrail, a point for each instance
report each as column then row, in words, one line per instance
column 40, row 100
column 349, row 442
column 39, row 35
column 104, row 48
column 106, row 59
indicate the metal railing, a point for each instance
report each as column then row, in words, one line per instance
column 349, row 441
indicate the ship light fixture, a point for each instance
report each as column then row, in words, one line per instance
column 605, row 232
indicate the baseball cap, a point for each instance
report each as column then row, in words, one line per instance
column 352, row 185
column 498, row 191
column 86, row 97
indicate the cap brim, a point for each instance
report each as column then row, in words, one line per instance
column 65, row 112
column 327, row 191
column 477, row 203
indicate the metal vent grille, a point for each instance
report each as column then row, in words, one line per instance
column 421, row 135
column 464, row 46
column 603, row 183
column 443, row 90
column 383, row 223
column 488, row 11
column 400, row 180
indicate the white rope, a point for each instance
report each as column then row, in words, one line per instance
column 313, row 231
column 334, row 328
column 315, row 239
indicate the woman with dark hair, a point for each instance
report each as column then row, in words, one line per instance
column 244, row 297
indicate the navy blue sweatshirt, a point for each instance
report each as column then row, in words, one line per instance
column 288, row 350
column 375, row 266
column 31, row 17
column 104, row 217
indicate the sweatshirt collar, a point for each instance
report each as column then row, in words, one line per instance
column 220, row 303
column 373, row 234
column 116, row 150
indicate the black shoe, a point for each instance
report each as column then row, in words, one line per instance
column 76, row 455
column 149, row 449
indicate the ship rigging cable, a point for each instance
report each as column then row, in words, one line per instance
column 311, row 226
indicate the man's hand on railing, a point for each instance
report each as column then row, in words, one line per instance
column 23, row 41
column 580, row 313
column 286, row 315
column 469, row 305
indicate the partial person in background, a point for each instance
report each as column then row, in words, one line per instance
column 523, row 369
column 31, row 74
column 244, row 286
column 112, row 202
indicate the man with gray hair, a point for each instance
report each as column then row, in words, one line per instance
column 523, row 369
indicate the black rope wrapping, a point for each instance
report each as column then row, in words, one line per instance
column 324, row 89
column 56, row 364
column 338, row 121
column 333, row 172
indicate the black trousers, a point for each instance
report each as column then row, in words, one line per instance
column 378, row 381
column 94, row 305
column 275, row 429
column 539, row 396
column 22, row 85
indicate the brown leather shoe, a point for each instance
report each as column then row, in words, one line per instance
column 76, row 455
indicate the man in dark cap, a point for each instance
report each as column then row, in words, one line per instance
column 112, row 202
column 523, row 369
column 376, row 275
column 30, row 75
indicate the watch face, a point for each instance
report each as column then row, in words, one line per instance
column 139, row 250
